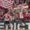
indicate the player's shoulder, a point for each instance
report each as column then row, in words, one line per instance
column 6, row 14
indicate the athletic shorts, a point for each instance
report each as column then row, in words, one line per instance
column 21, row 26
column 6, row 22
column 22, row 20
column 13, row 21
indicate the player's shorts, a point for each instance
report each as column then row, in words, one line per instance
column 21, row 26
column 6, row 22
column 22, row 20
column 13, row 21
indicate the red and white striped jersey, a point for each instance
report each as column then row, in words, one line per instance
column 21, row 15
column 6, row 16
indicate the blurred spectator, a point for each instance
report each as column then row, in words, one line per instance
column 1, row 13
column 6, row 17
column 24, row 1
column 28, row 17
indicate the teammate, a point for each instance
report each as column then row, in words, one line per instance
column 6, row 18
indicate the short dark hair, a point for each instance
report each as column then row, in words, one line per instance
column 6, row 10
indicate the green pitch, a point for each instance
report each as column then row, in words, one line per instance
column 14, row 29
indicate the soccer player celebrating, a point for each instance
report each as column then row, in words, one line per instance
column 6, row 19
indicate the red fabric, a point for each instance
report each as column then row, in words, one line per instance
column 1, row 9
column 19, row 0
column 7, row 14
column 24, row 11
column 28, row 18
column 24, row 16
column 26, row 5
column 1, row 12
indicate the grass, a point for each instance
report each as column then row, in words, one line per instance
column 14, row 29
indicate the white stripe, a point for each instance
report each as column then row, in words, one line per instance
column 15, row 8
column 25, row 6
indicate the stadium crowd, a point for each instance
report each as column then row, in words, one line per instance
column 19, row 13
